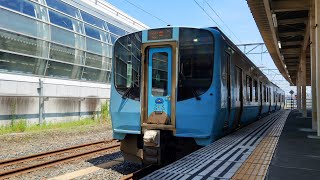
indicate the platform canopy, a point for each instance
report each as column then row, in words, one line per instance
column 284, row 26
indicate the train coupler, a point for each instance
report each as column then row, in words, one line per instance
column 151, row 147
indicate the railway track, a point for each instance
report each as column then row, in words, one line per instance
column 17, row 166
column 140, row 173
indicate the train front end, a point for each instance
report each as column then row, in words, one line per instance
column 162, row 92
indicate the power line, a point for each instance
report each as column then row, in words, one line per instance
column 222, row 20
column 207, row 13
column 147, row 12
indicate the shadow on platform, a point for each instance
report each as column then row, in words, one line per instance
column 296, row 156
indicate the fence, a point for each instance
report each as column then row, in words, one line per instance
column 292, row 103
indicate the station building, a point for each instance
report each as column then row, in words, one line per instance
column 55, row 57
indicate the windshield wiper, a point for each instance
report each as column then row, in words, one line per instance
column 194, row 92
column 127, row 92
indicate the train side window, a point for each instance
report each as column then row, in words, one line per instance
column 268, row 91
column 195, row 75
column 249, row 88
column 267, row 99
column 255, row 84
column 269, row 94
column 240, row 93
column 236, row 86
column 264, row 94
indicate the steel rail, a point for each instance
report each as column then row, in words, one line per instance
column 34, row 156
column 18, row 171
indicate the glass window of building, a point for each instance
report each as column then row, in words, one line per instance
column 16, row 63
column 19, row 43
column 113, row 38
column 93, row 60
column 62, row 53
column 90, row 74
column 62, row 36
column 60, row 70
column 22, row 6
column 92, row 32
column 21, row 24
column 92, row 20
column 94, row 46
column 116, row 30
column 63, row 7
column 60, row 20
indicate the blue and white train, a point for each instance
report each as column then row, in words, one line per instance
column 175, row 89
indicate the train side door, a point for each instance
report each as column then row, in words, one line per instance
column 228, row 82
column 239, row 96
column 228, row 58
column 159, row 85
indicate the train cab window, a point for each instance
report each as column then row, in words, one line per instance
column 255, row 89
column 127, row 65
column 196, row 50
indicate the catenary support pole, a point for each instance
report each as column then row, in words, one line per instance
column 298, row 90
column 317, row 48
column 303, row 84
column 313, row 64
column 41, row 101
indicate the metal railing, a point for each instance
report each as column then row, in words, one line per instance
column 292, row 103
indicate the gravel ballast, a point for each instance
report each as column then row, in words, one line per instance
column 24, row 144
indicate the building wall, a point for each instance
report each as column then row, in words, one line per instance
column 63, row 100
column 67, row 44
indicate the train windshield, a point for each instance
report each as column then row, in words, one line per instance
column 196, row 47
column 127, row 65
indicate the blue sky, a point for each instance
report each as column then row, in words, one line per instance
column 235, row 14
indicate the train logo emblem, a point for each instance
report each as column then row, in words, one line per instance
column 159, row 101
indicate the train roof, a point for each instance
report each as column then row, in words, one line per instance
column 241, row 53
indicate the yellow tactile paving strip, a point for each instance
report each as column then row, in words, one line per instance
column 257, row 164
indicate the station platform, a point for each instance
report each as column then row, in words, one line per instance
column 252, row 153
column 298, row 152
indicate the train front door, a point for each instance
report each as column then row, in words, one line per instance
column 159, row 85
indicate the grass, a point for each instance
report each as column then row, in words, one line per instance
column 20, row 126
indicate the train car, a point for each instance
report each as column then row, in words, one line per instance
column 175, row 89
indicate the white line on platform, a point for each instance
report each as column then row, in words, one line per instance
column 88, row 170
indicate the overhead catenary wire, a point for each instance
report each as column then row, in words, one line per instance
column 140, row 8
column 207, row 13
column 222, row 21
